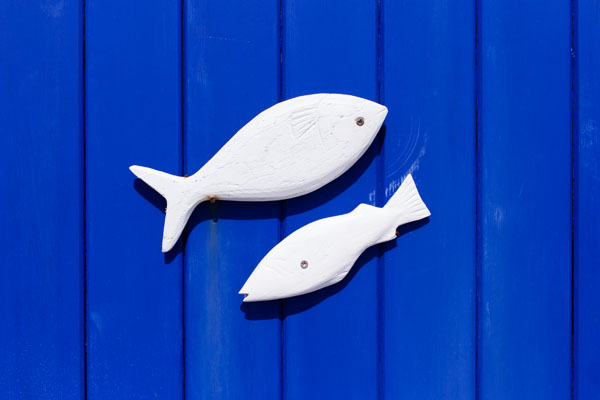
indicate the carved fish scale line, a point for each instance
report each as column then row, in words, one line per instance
column 303, row 129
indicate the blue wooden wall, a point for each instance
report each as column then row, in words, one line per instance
column 494, row 109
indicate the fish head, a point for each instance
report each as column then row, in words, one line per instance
column 307, row 260
column 275, row 278
column 350, row 119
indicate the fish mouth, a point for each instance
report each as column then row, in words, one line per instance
column 250, row 296
column 381, row 114
column 247, row 298
column 244, row 292
column 383, row 111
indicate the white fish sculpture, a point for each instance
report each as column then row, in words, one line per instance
column 288, row 150
column 323, row 252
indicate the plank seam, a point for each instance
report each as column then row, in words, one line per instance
column 84, row 211
column 282, row 212
column 573, row 183
column 477, row 201
column 379, row 173
column 182, row 72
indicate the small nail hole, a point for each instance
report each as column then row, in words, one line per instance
column 303, row 264
column 360, row 121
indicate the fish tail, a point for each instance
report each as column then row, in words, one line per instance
column 408, row 202
column 179, row 204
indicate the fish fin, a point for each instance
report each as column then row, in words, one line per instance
column 303, row 120
column 408, row 202
column 179, row 204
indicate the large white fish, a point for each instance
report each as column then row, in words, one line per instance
column 288, row 150
column 321, row 253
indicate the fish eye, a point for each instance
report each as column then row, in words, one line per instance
column 360, row 121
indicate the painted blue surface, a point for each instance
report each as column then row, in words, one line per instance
column 524, row 200
column 586, row 207
column 231, row 74
column 331, row 335
column 428, row 274
column 492, row 111
column 41, row 206
column 133, row 116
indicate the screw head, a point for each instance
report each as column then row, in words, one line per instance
column 360, row 121
column 303, row 264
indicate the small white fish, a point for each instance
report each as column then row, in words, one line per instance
column 321, row 253
column 288, row 150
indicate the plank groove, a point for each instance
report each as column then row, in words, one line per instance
column 586, row 222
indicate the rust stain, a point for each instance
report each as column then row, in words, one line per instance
column 212, row 199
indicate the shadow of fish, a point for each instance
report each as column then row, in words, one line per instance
column 288, row 150
column 323, row 252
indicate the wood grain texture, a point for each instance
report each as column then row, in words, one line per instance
column 330, row 336
column 429, row 275
column 41, row 207
column 231, row 74
column 586, row 222
column 524, row 206
column 133, row 113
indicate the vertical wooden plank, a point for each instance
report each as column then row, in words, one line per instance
column 429, row 273
column 134, row 292
column 330, row 336
column 524, row 205
column 231, row 74
column 41, row 207
column 587, row 199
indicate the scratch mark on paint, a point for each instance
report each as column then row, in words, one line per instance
column 521, row 190
column 95, row 318
column 395, row 184
column 372, row 198
column 407, row 147
column 55, row 10
column 498, row 215
column 229, row 39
